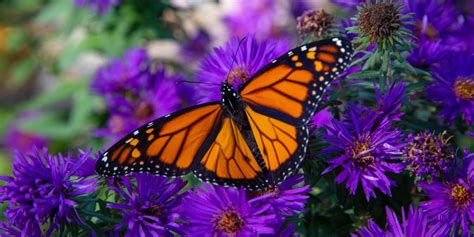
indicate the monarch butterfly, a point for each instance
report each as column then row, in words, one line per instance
column 253, row 138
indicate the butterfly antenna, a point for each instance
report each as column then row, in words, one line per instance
column 234, row 58
column 197, row 82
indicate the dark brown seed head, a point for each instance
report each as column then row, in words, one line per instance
column 379, row 21
column 315, row 23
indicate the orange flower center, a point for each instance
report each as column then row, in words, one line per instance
column 239, row 74
column 464, row 88
column 229, row 222
column 460, row 195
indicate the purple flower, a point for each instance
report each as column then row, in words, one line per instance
column 322, row 118
column 451, row 203
column 42, row 191
column 370, row 147
column 436, row 24
column 388, row 104
column 255, row 18
column 197, row 46
column 99, row 6
column 125, row 75
column 349, row 5
column 251, row 56
column 17, row 139
column 453, row 87
column 428, row 154
column 288, row 199
column 219, row 211
column 135, row 92
column 428, row 53
column 414, row 225
column 149, row 208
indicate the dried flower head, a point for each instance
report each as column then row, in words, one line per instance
column 379, row 21
column 314, row 24
column 428, row 154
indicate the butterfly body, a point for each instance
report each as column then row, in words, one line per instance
column 254, row 138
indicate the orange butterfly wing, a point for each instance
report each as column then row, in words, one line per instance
column 230, row 161
column 292, row 86
column 167, row 146
column 283, row 96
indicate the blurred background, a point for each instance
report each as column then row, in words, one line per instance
column 50, row 51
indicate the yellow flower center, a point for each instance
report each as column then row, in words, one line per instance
column 361, row 154
column 229, row 222
column 464, row 88
column 460, row 195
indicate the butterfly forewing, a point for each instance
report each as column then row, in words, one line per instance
column 291, row 87
column 167, row 146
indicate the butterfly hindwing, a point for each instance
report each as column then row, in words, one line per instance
column 230, row 160
column 167, row 146
column 291, row 86
column 282, row 146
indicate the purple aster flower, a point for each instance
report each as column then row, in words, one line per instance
column 322, row 118
column 257, row 18
column 149, row 208
column 436, row 24
column 249, row 58
column 99, row 6
column 288, row 199
column 16, row 139
column 451, row 203
column 389, row 104
column 125, row 75
column 135, row 93
column 453, row 87
column 197, row 46
column 428, row 53
column 349, row 5
column 42, row 191
column 414, row 225
column 370, row 147
column 219, row 211
column 428, row 154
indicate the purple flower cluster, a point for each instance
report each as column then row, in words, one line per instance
column 416, row 224
column 369, row 144
column 136, row 92
column 428, row 154
column 236, row 212
column 150, row 207
column 451, row 204
column 43, row 190
column 99, row 6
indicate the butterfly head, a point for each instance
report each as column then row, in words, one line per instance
column 230, row 98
